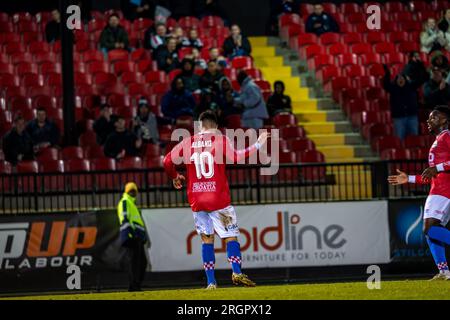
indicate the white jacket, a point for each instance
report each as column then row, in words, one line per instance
column 429, row 37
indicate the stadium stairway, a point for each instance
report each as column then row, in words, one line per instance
column 322, row 119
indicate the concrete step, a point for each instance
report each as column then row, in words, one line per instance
column 326, row 127
column 320, row 116
column 336, row 139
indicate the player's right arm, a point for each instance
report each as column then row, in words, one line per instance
column 174, row 156
column 238, row 155
column 403, row 178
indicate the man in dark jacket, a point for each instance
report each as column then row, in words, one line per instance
column 178, row 101
column 192, row 41
column 444, row 24
column 320, row 22
column 121, row 143
column 43, row 132
column 415, row 70
column 17, row 144
column 236, row 44
column 104, row 125
column 436, row 91
column 278, row 101
column 135, row 9
column 113, row 36
column 53, row 27
column 210, row 79
column 167, row 56
column 190, row 79
column 404, row 104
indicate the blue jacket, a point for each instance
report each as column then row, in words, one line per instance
column 174, row 104
column 253, row 101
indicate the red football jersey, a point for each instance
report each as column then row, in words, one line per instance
column 205, row 156
column 439, row 157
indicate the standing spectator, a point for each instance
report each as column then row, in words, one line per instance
column 121, row 142
column 404, row 104
column 167, row 56
column 252, row 101
column 320, row 22
column 135, row 9
column 192, row 41
column 436, row 91
column 278, row 101
column 53, row 27
column 236, row 44
column 113, row 36
column 210, row 79
column 145, row 124
column 17, row 144
column 415, row 70
column 279, row 7
column 432, row 38
column 104, row 125
column 178, row 101
column 444, row 24
column 43, row 132
column 155, row 37
column 190, row 79
column 228, row 100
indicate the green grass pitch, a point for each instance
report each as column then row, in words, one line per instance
column 390, row 290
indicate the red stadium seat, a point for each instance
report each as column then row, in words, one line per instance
column 301, row 144
column 92, row 55
column 70, row 153
column 292, row 132
column 123, row 66
column 242, row 63
column 117, row 55
column 386, row 142
column 284, row 119
column 53, row 182
column 312, row 156
column 151, row 151
column 361, row 48
column 329, row 38
column 48, row 154
column 87, row 139
column 155, row 77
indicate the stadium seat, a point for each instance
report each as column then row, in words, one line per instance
column 284, row 119
column 51, row 174
column 242, row 63
column 301, row 144
column 69, row 153
column 386, row 142
column 151, row 150
column 117, row 55
column 291, row 132
column 395, row 154
column 87, row 139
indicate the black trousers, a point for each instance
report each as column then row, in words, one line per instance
column 137, row 263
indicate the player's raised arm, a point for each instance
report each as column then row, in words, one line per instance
column 238, row 155
column 174, row 156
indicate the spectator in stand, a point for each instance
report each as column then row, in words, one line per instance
column 167, row 56
column 440, row 61
column 135, row 9
column 214, row 55
column 52, row 29
column 278, row 101
column 279, row 7
column 404, row 104
column 436, row 91
column 17, row 144
column 178, row 35
column 252, row 103
column 204, row 8
column 210, row 79
column 192, row 41
column 113, row 36
column 104, row 125
column 207, row 102
column 320, row 22
column 228, row 100
column 431, row 38
column 415, row 70
column 121, row 142
column 155, row 37
column 198, row 60
column 145, row 124
column 43, row 132
column 178, row 101
column 190, row 79
column 236, row 45
column 444, row 24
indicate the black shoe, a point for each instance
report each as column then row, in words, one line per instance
column 134, row 289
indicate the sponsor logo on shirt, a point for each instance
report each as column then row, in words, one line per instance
column 209, row 186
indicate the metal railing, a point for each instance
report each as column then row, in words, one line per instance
column 62, row 192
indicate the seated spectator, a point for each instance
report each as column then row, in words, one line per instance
column 43, row 132
column 320, row 22
column 52, row 29
column 252, row 102
column 167, row 56
column 436, row 91
column 214, row 55
column 178, row 101
column 121, row 142
column 207, row 102
column 145, row 124
column 17, row 144
column 198, row 60
column 192, row 40
column 210, row 79
column 404, row 104
column 228, row 100
column 178, row 35
column 113, row 36
column 415, row 70
column 431, row 38
column 135, row 9
column 236, row 44
column 444, row 24
column 155, row 37
column 190, row 79
column 104, row 125
column 278, row 101
column 440, row 61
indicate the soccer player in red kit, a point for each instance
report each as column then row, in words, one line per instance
column 437, row 206
column 205, row 156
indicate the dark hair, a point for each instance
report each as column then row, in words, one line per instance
column 114, row 14
column 242, row 75
column 104, row 106
column 445, row 110
column 208, row 115
column 279, row 82
column 18, row 117
column 41, row 109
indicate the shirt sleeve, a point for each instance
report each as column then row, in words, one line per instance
column 171, row 158
column 417, row 179
column 238, row 155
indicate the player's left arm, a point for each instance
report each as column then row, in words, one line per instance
column 238, row 155
column 432, row 172
column 170, row 167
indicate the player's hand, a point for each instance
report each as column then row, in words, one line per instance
column 263, row 138
column 429, row 173
column 178, row 181
column 401, row 178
